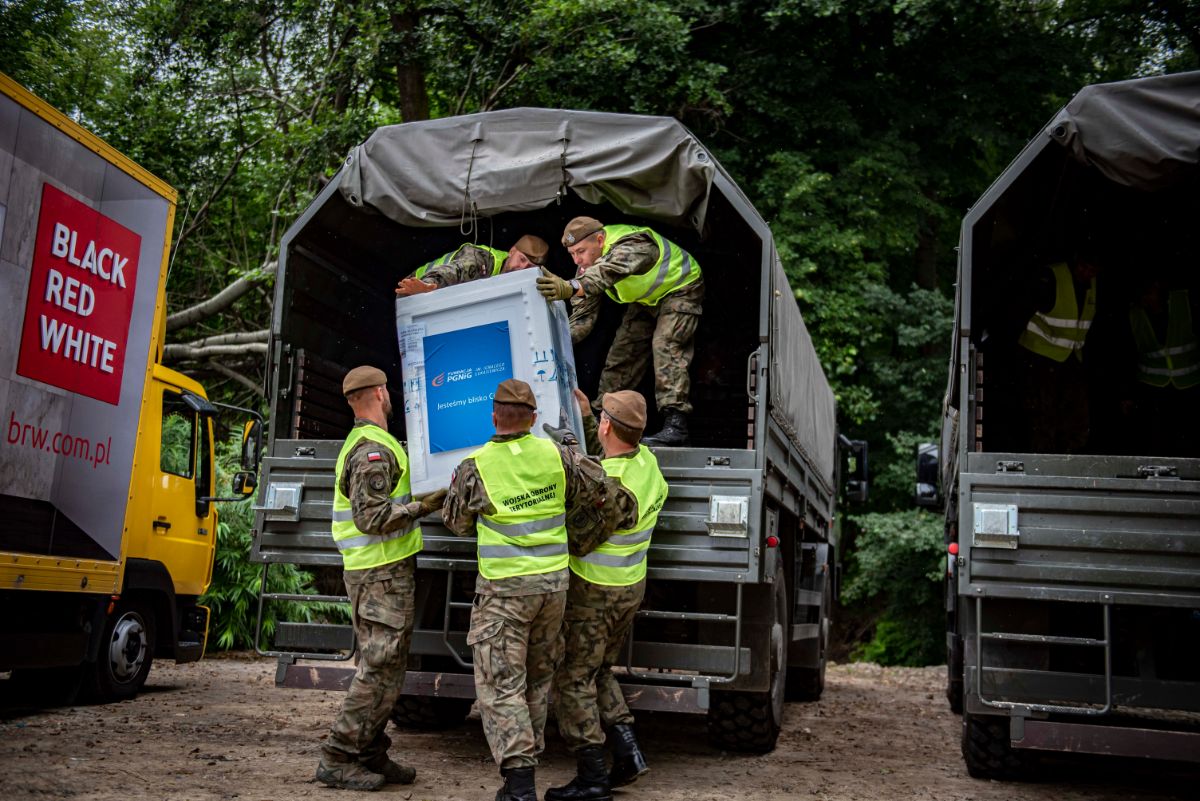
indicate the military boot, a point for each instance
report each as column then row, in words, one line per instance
column 518, row 785
column 392, row 772
column 590, row 782
column 348, row 776
column 674, row 432
column 628, row 761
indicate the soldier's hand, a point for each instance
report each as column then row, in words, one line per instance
column 554, row 288
column 563, row 436
column 581, row 400
column 431, row 501
column 412, row 286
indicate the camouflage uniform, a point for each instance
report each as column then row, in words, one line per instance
column 381, row 600
column 515, row 623
column 470, row 264
column 588, row 698
column 669, row 327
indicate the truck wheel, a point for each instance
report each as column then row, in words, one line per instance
column 987, row 750
column 750, row 722
column 126, row 653
column 428, row 713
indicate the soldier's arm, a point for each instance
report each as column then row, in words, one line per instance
column 468, row 264
column 466, row 500
column 633, row 255
column 371, row 472
column 625, row 508
column 584, row 313
column 590, row 498
column 591, row 435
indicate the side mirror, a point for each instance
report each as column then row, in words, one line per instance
column 928, row 475
column 857, row 484
column 245, row 482
column 251, row 446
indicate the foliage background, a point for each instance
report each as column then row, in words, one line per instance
column 861, row 131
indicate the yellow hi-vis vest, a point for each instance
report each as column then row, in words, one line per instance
column 621, row 559
column 526, row 482
column 361, row 551
column 1178, row 361
column 1061, row 332
column 674, row 269
column 498, row 257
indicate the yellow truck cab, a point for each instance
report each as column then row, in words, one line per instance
column 107, row 517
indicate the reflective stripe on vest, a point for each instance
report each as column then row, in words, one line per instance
column 361, row 550
column 1062, row 331
column 527, row 484
column 621, row 559
column 674, row 269
column 498, row 257
column 1177, row 362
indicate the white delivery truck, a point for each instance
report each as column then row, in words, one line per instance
column 107, row 523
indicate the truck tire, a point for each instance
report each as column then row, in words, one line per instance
column 748, row 721
column 126, row 653
column 428, row 713
column 987, row 751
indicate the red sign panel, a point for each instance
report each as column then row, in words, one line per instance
column 81, row 290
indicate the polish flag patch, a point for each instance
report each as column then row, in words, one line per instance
column 374, row 456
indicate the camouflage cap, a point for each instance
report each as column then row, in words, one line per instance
column 580, row 228
column 534, row 247
column 363, row 377
column 514, row 390
column 626, row 407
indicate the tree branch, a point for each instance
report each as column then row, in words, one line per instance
column 181, row 352
column 220, row 301
column 245, row 381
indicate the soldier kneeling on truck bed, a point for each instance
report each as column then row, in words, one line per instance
column 662, row 285
column 473, row 262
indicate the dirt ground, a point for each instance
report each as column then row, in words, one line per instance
column 220, row 729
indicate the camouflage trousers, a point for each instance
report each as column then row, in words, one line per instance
column 670, row 331
column 383, row 622
column 587, row 698
column 515, row 642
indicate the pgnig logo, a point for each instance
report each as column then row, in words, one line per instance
column 438, row 380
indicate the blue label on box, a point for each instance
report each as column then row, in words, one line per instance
column 462, row 370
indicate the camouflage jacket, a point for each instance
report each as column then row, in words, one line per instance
column 368, row 484
column 469, row 264
column 632, row 255
column 596, row 506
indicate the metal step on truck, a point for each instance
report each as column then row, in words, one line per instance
column 743, row 566
column 1072, row 485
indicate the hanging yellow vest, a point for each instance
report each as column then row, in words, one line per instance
column 1062, row 331
column 1178, row 361
column 526, row 482
column 621, row 559
column 673, row 270
column 361, row 551
column 498, row 257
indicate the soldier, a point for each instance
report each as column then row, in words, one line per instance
column 375, row 528
column 664, row 289
column 516, row 494
column 472, row 262
column 606, row 590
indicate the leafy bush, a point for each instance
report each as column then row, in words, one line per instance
column 899, row 561
column 233, row 594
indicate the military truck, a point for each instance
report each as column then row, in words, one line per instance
column 107, row 519
column 1072, row 489
column 743, row 566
